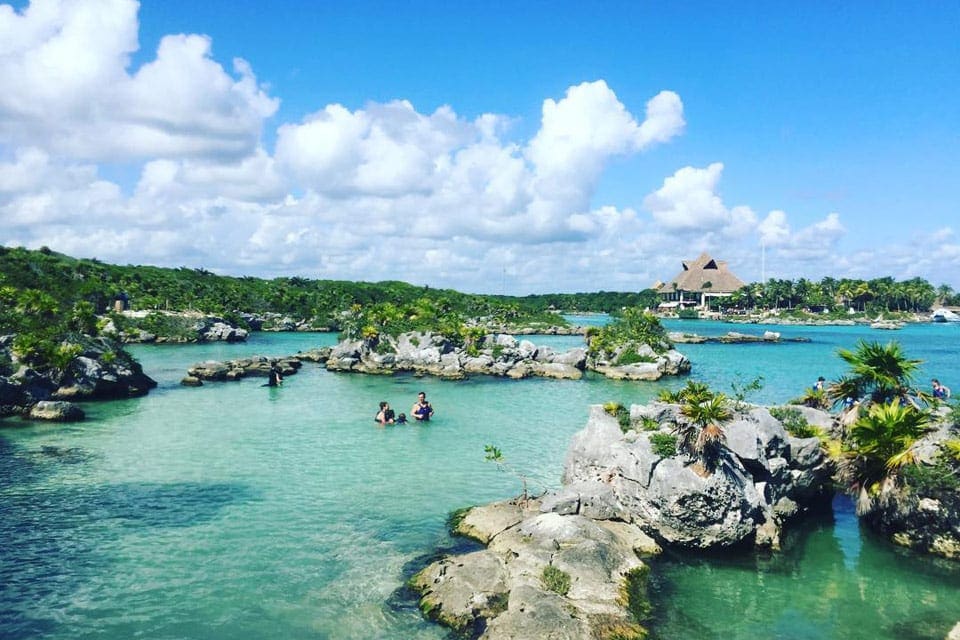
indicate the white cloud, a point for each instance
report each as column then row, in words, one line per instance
column 380, row 192
column 67, row 88
column 688, row 201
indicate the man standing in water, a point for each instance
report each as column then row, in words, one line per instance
column 421, row 410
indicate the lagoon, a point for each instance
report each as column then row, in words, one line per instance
column 236, row 510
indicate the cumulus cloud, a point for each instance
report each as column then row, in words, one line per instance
column 444, row 175
column 67, row 87
column 380, row 192
column 688, row 201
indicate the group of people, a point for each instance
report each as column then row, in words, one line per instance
column 939, row 390
column 421, row 411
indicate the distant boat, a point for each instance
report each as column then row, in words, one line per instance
column 944, row 315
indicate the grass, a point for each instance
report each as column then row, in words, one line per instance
column 664, row 444
column 621, row 413
column 555, row 580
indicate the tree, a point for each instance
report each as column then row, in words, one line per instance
column 879, row 446
column 703, row 437
column 881, row 372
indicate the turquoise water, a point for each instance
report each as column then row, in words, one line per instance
column 239, row 511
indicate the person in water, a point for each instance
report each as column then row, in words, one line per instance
column 940, row 392
column 274, row 378
column 385, row 415
column 402, row 418
column 421, row 410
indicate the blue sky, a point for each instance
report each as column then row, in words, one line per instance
column 486, row 146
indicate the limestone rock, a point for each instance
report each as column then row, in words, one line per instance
column 56, row 411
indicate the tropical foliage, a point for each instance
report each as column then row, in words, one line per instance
column 880, row 444
column 878, row 450
column 879, row 373
column 626, row 335
column 838, row 295
column 701, row 435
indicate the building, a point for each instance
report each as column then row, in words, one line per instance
column 700, row 280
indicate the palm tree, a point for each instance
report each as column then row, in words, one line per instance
column 703, row 436
column 880, row 444
column 882, row 371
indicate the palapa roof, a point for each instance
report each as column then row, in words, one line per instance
column 698, row 272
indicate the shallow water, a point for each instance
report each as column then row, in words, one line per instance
column 237, row 510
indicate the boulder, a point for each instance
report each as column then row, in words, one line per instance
column 102, row 370
column 679, row 502
column 56, row 411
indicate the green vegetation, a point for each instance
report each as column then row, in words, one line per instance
column 925, row 479
column 742, row 389
column 794, row 422
column 455, row 517
column 876, row 297
column 701, row 436
column 882, row 373
column 878, row 450
column 881, row 441
column 555, row 580
column 621, row 413
column 648, row 423
column 628, row 333
column 664, row 444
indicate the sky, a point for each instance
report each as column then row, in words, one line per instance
column 490, row 147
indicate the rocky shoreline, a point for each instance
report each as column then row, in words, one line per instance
column 433, row 354
column 100, row 370
column 570, row 565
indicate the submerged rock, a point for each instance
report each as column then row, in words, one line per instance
column 56, row 411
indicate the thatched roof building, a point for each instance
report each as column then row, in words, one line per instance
column 700, row 280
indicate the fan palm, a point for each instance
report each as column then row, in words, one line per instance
column 703, row 436
column 881, row 444
column 882, row 371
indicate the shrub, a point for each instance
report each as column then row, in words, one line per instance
column 629, row 356
column 621, row 413
column 927, row 479
column 555, row 580
column 664, row 444
column 794, row 422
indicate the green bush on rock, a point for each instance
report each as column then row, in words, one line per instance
column 555, row 580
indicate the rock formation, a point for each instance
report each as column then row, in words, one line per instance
column 493, row 354
column 101, row 369
column 570, row 564
column 923, row 515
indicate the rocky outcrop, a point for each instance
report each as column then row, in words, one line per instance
column 254, row 366
column 764, row 478
column 56, row 411
column 922, row 515
column 495, row 355
column 99, row 370
column 541, row 575
column 570, row 565
column 732, row 337
column 433, row 354
column 651, row 365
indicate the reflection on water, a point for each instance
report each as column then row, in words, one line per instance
column 832, row 580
